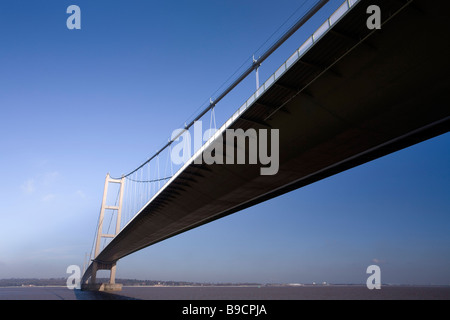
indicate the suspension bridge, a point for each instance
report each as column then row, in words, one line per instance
column 347, row 96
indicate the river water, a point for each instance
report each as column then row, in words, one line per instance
column 232, row 293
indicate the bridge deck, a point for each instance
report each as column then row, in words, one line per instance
column 355, row 95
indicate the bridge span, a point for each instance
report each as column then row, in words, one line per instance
column 349, row 95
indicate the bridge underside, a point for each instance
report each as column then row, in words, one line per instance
column 354, row 97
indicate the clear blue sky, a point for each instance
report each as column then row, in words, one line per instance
column 76, row 104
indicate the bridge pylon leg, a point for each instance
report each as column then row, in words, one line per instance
column 97, row 265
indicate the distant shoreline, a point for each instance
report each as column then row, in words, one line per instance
column 134, row 283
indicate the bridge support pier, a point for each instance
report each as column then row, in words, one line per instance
column 91, row 284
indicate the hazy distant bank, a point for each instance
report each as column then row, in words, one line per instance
column 61, row 282
column 37, row 282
